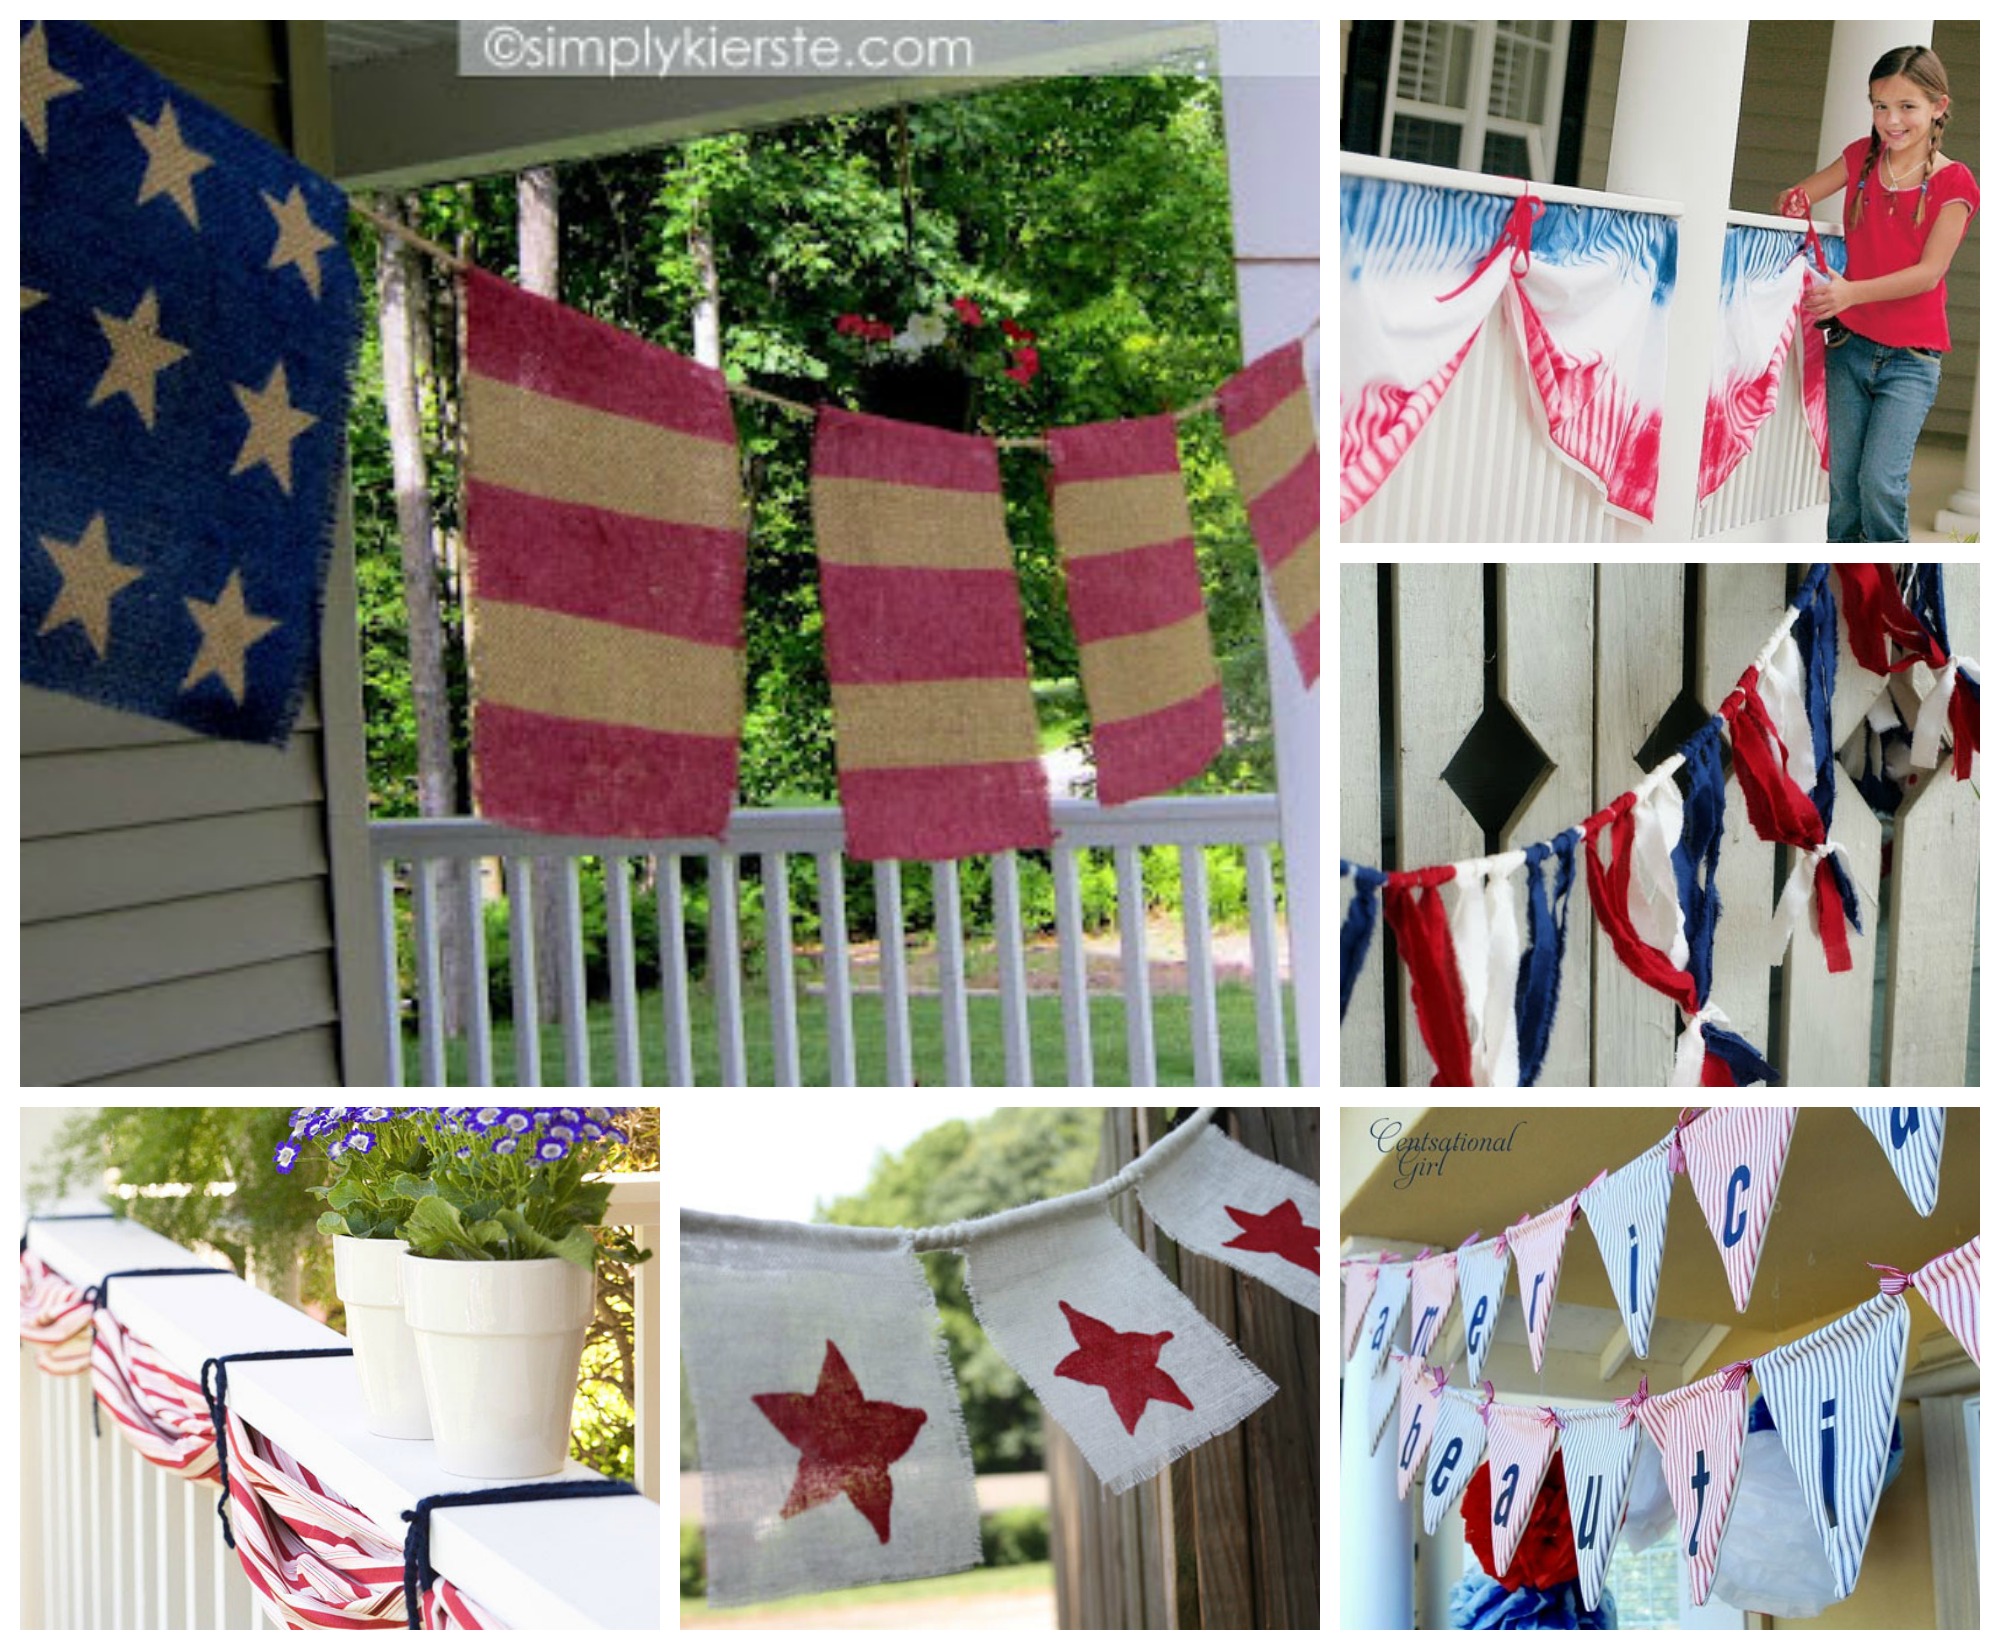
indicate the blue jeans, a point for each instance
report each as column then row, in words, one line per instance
column 1876, row 400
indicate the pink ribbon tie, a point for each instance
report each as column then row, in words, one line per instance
column 1735, row 1376
column 1894, row 1279
column 1632, row 1405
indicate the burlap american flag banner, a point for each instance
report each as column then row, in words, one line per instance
column 605, row 516
column 1127, row 542
column 1267, row 421
column 934, row 725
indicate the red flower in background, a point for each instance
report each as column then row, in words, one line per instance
column 1546, row 1556
column 968, row 312
column 1027, row 362
column 1017, row 333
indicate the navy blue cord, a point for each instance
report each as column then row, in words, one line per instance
column 105, row 1215
column 417, row 1572
column 218, row 1401
column 97, row 1293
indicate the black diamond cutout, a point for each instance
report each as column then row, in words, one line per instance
column 1496, row 770
column 1683, row 720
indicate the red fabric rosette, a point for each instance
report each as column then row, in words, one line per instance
column 1547, row 1555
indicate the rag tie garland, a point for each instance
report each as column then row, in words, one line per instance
column 1651, row 855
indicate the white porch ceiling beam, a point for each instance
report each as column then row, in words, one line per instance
column 413, row 119
column 1616, row 1351
column 1703, row 1349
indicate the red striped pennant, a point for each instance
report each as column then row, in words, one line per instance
column 1735, row 1159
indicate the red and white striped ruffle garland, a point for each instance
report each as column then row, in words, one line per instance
column 314, row 1558
column 1485, row 1005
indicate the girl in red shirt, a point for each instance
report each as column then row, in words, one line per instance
column 1907, row 206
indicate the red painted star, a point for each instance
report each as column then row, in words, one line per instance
column 1127, row 1366
column 845, row 1442
column 1282, row 1232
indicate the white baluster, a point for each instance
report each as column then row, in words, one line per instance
column 218, row 1552
column 1014, row 1040
column 575, row 987
column 778, row 971
column 725, row 965
column 949, row 923
column 190, row 1605
column 139, row 1468
column 835, row 984
column 94, row 1463
column 624, row 970
column 430, row 1022
column 676, row 1006
column 895, row 971
column 1132, row 963
column 521, row 896
column 46, row 1456
column 392, row 991
column 1202, row 1026
column 478, row 1015
column 163, row 1565
column 1264, row 954
column 117, row 1534
column 1073, row 967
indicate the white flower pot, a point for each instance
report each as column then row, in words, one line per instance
column 499, row 1343
column 366, row 1278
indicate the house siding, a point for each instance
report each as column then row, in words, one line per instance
column 177, row 893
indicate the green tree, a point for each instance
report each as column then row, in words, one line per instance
column 958, row 1171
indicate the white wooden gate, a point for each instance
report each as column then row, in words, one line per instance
column 1589, row 660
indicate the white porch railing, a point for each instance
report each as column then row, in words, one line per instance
column 110, row 1541
column 409, row 854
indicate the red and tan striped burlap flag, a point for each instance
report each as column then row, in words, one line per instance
column 934, row 724
column 606, row 522
column 1274, row 450
column 1121, row 522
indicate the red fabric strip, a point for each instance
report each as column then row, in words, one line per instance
column 920, row 624
column 1133, row 590
column 519, row 338
column 1963, row 714
column 1260, row 386
column 1144, row 755
column 546, row 773
column 859, row 446
column 1876, row 614
column 1610, row 895
column 1109, row 452
column 597, row 564
column 1423, row 940
column 945, row 812
column 1779, row 810
column 1832, row 919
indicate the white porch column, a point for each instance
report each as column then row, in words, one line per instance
column 1844, row 115
column 1680, row 89
column 1961, row 511
column 1270, row 116
column 1377, row 1549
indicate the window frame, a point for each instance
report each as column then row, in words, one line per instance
column 1473, row 122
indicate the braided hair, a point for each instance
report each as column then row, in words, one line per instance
column 1924, row 69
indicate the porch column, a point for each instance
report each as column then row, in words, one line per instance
column 1270, row 118
column 1961, row 511
column 1844, row 114
column 1377, row 1548
column 1680, row 89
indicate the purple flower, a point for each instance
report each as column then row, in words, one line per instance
column 518, row 1121
column 285, row 1156
column 506, row 1146
column 359, row 1140
column 552, row 1150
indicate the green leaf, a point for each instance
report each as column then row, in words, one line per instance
column 408, row 1186
column 332, row 1222
column 343, row 1192
column 436, row 1231
column 575, row 1245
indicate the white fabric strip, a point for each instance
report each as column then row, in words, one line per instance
column 1486, row 939
column 1655, row 901
column 1222, row 1200
column 1926, row 736
column 1781, row 686
column 832, row 1448
column 1690, row 1050
column 1797, row 898
column 1122, row 1361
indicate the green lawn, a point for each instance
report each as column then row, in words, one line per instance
column 1174, row 1063
column 1011, row 1578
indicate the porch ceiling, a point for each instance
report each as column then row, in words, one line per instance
column 1838, row 1206
column 403, row 115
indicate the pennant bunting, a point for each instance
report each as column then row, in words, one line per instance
column 1358, row 1291
column 1538, row 980
column 1121, row 521
column 1415, row 913
column 1537, row 1245
column 934, row 725
column 1267, row 424
column 1627, row 1211
column 1699, row 1429
column 1122, row 1361
column 1226, row 1202
column 1433, row 1282
column 832, row 1449
column 1486, row 944
column 1913, row 1139
column 1833, row 1398
column 1951, row 1284
column 1735, row 1158
column 188, row 326
column 1422, row 1392
column 1519, row 1441
column 1458, row 1445
column 1385, row 1312
column 1482, row 1285
column 607, row 533
column 1599, row 1447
